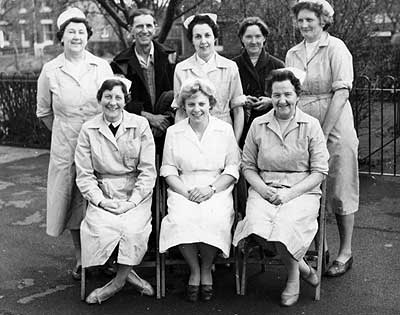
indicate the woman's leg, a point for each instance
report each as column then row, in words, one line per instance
column 345, row 225
column 76, row 239
column 190, row 253
column 207, row 254
column 292, row 266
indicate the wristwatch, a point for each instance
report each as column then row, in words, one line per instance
column 214, row 190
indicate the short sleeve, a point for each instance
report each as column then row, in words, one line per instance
column 168, row 167
column 341, row 62
column 43, row 97
column 237, row 98
column 250, row 150
column 232, row 159
column 318, row 150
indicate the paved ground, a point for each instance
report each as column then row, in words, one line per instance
column 35, row 268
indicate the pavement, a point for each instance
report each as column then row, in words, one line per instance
column 35, row 268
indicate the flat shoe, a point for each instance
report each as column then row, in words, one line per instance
column 192, row 292
column 99, row 295
column 312, row 277
column 289, row 299
column 207, row 292
column 76, row 273
column 338, row 268
column 140, row 284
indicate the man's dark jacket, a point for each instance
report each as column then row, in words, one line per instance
column 126, row 63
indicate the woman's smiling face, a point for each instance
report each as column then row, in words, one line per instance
column 203, row 40
column 197, row 107
column 75, row 37
column 113, row 103
column 310, row 25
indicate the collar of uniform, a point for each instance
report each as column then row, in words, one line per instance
column 60, row 60
column 191, row 62
column 128, row 121
column 116, row 123
column 300, row 117
column 150, row 59
column 324, row 41
column 184, row 126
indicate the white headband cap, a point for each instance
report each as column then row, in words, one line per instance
column 326, row 7
column 212, row 16
column 121, row 78
column 69, row 14
column 299, row 74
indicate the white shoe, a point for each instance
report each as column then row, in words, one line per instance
column 140, row 284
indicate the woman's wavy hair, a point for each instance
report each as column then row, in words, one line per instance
column 317, row 8
column 108, row 85
column 249, row 21
column 189, row 88
column 202, row 19
column 281, row 75
column 60, row 33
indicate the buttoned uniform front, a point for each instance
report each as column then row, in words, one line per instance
column 71, row 101
column 253, row 80
column 122, row 168
column 199, row 163
column 283, row 161
column 223, row 73
column 329, row 69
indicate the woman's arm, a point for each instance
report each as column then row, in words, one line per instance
column 284, row 195
column 176, row 185
column 335, row 109
column 258, row 184
column 238, row 122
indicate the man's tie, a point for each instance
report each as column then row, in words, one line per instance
column 113, row 129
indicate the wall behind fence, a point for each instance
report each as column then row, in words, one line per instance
column 18, row 122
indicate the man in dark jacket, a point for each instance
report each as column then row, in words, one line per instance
column 150, row 67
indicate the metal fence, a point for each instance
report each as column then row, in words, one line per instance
column 18, row 122
column 377, row 121
column 375, row 105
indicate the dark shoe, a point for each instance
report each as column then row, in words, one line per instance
column 338, row 268
column 311, row 278
column 192, row 293
column 76, row 273
column 206, row 292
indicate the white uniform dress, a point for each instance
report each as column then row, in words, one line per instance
column 284, row 160
column 71, row 101
column 199, row 163
column 120, row 168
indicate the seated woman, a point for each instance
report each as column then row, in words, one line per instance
column 284, row 160
column 115, row 162
column 201, row 164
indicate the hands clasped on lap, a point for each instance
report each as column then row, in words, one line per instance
column 200, row 194
column 278, row 196
column 116, row 207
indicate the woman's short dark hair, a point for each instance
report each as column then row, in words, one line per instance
column 60, row 33
column 202, row 19
column 280, row 75
column 191, row 87
column 138, row 12
column 108, row 85
column 252, row 20
column 317, row 8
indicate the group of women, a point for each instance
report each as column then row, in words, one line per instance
column 286, row 125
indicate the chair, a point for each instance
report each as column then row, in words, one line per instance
column 166, row 261
column 145, row 263
column 253, row 253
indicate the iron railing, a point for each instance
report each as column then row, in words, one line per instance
column 375, row 106
column 18, row 122
column 377, row 121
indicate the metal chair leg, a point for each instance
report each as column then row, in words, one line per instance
column 83, row 283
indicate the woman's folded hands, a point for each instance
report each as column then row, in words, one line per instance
column 116, row 207
column 200, row 194
column 278, row 196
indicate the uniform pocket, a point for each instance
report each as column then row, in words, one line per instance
column 131, row 153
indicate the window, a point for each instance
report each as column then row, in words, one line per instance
column 47, row 30
column 24, row 33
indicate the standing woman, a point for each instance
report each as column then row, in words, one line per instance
column 255, row 65
column 329, row 76
column 66, row 98
column 206, row 63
